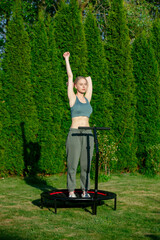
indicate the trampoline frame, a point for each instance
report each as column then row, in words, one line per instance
column 62, row 194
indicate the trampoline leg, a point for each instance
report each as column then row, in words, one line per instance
column 115, row 203
column 55, row 206
column 94, row 212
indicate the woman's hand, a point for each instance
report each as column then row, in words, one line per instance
column 88, row 78
column 66, row 55
column 68, row 68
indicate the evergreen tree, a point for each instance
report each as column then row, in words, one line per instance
column 118, row 53
column 148, row 105
column 57, row 91
column 18, row 95
column 4, row 123
column 41, row 79
column 102, row 98
column 98, row 70
column 155, row 38
column 69, row 36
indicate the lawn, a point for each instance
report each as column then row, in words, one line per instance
column 137, row 215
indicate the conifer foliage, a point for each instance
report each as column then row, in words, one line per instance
column 41, row 79
column 97, row 69
column 118, row 52
column 155, row 38
column 18, row 95
column 69, row 33
column 57, row 95
column 4, row 126
column 148, row 105
column 34, row 108
column 70, row 36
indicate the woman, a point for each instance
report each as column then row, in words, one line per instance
column 80, row 143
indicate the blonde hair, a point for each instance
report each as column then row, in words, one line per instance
column 78, row 78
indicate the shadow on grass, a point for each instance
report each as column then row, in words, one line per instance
column 39, row 183
column 32, row 154
column 153, row 236
column 153, row 199
column 10, row 236
column 86, row 206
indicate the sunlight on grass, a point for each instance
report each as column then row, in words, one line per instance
column 137, row 215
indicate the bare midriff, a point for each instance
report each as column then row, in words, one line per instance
column 80, row 122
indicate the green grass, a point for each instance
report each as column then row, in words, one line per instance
column 137, row 215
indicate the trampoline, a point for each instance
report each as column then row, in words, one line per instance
column 60, row 197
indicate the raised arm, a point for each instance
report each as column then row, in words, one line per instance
column 88, row 94
column 71, row 94
column 66, row 55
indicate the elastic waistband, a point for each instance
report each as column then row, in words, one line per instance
column 79, row 130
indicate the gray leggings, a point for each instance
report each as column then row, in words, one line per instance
column 79, row 145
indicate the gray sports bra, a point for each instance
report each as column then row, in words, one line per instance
column 81, row 109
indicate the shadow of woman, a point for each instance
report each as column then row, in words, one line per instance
column 32, row 154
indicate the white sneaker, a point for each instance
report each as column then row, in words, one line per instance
column 72, row 195
column 85, row 195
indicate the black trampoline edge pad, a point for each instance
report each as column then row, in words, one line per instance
column 63, row 195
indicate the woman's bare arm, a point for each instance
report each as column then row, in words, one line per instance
column 66, row 55
column 71, row 94
column 88, row 94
